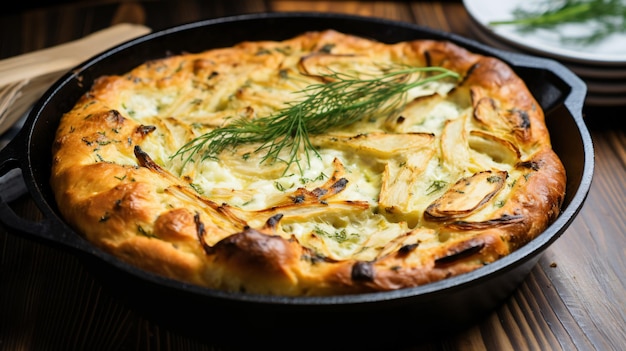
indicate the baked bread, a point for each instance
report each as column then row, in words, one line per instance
column 436, row 180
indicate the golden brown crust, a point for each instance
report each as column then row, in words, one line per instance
column 503, row 185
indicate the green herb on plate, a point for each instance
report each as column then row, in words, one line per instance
column 604, row 17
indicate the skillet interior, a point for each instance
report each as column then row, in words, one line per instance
column 426, row 310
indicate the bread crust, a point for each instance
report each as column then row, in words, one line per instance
column 114, row 184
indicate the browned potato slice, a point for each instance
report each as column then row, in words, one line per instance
column 495, row 118
column 399, row 184
column 466, row 196
column 454, row 145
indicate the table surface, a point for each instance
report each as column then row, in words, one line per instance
column 574, row 298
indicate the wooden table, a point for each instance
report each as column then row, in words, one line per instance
column 574, row 298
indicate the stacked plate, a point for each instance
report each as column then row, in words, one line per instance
column 601, row 64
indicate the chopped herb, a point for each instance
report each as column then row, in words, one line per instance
column 339, row 236
column 327, row 48
column 91, row 102
column 436, row 186
column 322, row 176
column 281, row 187
column 128, row 110
column 285, row 51
column 197, row 188
column 494, row 179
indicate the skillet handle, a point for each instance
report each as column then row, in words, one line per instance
column 12, row 186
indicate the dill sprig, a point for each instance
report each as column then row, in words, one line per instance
column 342, row 100
column 609, row 17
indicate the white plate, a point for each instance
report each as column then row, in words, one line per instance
column 585, row 71
column 609, row 90
column 610, row 51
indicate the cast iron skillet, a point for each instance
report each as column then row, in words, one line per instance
column 384, row 317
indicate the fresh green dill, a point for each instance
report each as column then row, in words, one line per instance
column 608, row 16
column 435, row 186
column 344, row 99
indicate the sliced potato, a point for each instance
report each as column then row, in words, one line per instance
column 378, row 145
column 466, row 196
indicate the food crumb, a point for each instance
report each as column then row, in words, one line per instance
column 553, row 264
